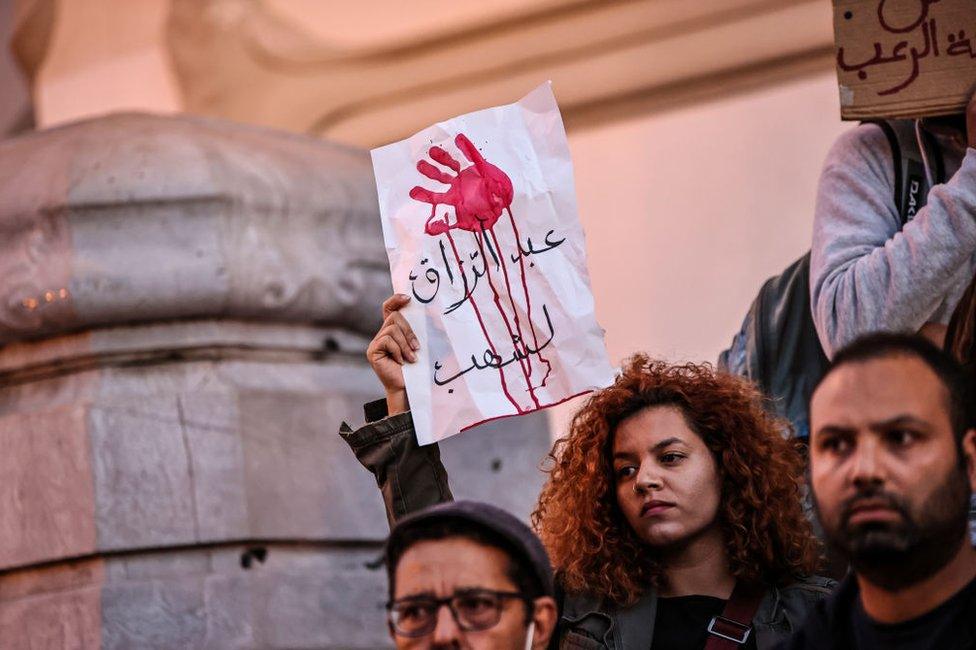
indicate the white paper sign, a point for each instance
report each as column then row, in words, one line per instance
column 481, row 227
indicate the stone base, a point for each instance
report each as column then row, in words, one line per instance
column 141, row 462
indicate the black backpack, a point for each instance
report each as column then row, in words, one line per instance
column 777, row 347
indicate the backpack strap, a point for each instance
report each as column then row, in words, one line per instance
column 911, row 181
column 733, row 627
column 932, row 147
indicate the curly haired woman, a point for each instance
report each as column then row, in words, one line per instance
column 673, row 506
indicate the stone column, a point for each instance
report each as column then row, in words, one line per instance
column 184, row 307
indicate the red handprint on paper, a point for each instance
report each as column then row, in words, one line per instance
column 479, row 194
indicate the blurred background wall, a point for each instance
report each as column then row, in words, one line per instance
column 16, row 110
column 697, row 128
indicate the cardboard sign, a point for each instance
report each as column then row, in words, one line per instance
column 480, row 225
column 904, row 58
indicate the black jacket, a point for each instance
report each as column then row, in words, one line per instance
column 828, row 625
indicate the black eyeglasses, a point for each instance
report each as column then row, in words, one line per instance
column 472, row 609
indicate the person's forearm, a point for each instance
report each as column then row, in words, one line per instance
column 396, row 402
column 864, row 278
column 410, row 477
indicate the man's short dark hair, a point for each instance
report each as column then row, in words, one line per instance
column 883, row 345
column 519, row 569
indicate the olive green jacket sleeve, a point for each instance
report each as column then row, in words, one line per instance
column 410, row 477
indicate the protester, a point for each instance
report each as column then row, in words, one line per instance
column 870, row 273
column 892, row 467
column 468, row 574
column 672, row 507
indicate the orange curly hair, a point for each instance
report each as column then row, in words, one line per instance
column 593, row 548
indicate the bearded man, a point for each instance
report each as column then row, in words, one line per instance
column 892, row 468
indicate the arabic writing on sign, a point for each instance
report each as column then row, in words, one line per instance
column 920, row 37
column 471, row 248
column 432, row 275
column 481, row 227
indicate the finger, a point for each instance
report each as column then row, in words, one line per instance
column 387, row 346
column 394, row 303
column 434, row 173
column 397, row 319
column 426, row 196
column 444, row 158
column 470, row 151
column 397, row 335
column 435, row 228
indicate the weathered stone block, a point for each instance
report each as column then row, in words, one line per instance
column 499, row 462
column 143, row 488
column 137, row 218
column 154, row 614
column 68, row 621
column 216, row 456
column 171, row 474
column 47, row 503
column 56, row 607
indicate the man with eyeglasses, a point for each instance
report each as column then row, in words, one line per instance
column 468, row 575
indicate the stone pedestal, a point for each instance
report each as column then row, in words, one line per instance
column 184, row 307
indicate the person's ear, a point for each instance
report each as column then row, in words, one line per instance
column 969, row 451
column 544, row 614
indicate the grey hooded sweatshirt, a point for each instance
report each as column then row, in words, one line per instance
column 867, row 273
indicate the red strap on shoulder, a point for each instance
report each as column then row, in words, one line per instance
column 733, row 627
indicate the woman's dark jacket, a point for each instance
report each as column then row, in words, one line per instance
column 411, row 477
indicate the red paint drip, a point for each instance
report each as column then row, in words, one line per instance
column 528, row 301
column 479, row 194
column 481, row 322
column 517, row 320
column 479, row 237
